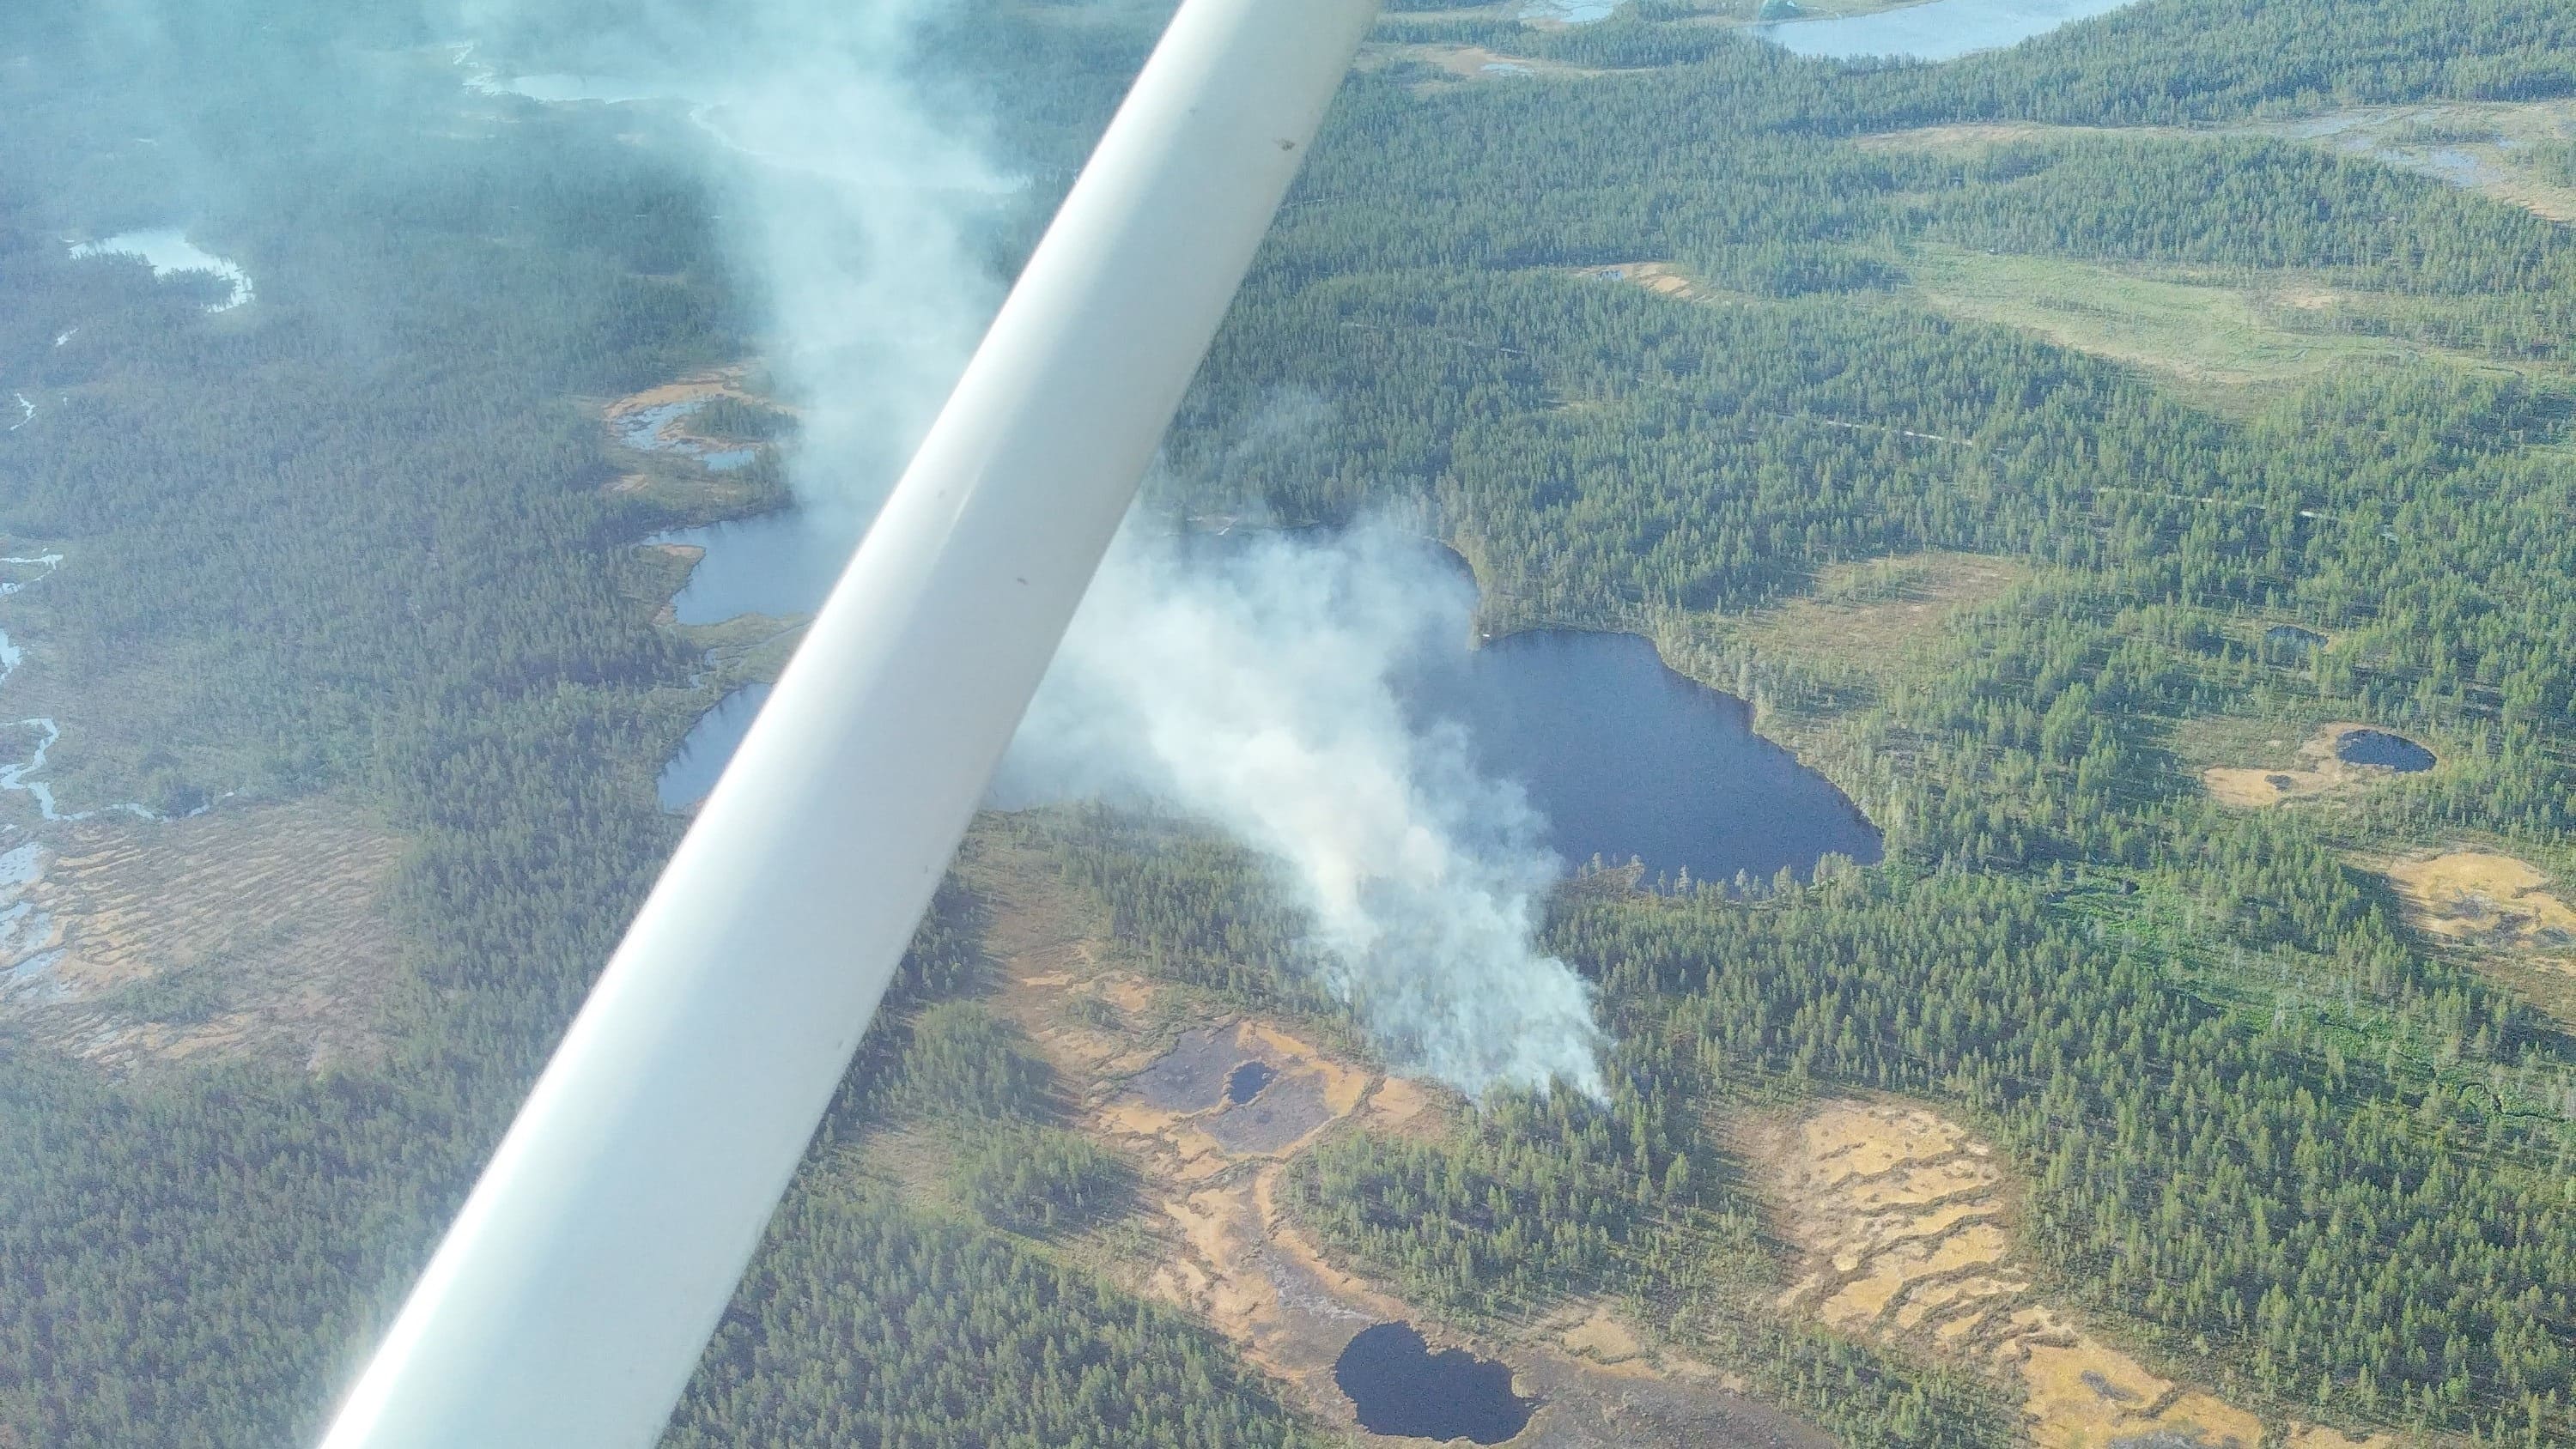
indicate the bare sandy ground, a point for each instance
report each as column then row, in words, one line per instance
column 2318, row 773
column 2490, row 900
column 1907, row 1222
column 1149, row 1070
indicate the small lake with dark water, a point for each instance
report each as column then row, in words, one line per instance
column 1399, row 1386
column 1624, row 757
column 2378, row 747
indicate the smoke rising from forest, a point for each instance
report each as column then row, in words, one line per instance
column 1255, row 687
column 1255, row 692
column 857, row 193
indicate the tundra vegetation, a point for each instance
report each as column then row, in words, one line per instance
column 355, row 543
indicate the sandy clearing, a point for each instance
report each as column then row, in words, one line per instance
column 1225, row 1249
column 1663, row 278
column 2319, row 772
column 2490, row 900
column 1905, row 1219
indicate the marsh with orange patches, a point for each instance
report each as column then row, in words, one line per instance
column 1906, row 1221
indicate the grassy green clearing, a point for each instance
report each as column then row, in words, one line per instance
column 2228, row 345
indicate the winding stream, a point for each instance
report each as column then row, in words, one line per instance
column 17, row 777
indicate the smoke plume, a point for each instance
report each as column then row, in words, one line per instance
column 857, row 190
column 1254, row 686
column 1255, row 689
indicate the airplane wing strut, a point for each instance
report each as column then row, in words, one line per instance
column 574, row 1295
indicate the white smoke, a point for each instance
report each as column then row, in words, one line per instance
column 1256, row 691
column 856, row 194
column 1255, row 687
column 861, row 211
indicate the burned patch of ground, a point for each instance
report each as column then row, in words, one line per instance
column 1287, row 1113
column 1194, row 1073
column 253, row 932
column 1147, row 1067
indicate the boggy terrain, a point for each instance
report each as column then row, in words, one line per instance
column 2499, row 913
column 1157, row 1078
column 1906, row 1219
column 2321, row 770
column 663, row 433
column 251, row 931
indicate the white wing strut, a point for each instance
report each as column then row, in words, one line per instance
column 572, row 1298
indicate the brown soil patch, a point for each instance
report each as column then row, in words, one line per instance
column 1151, row 1083
column 2318, row 772
column 2317, row 1436
column 2502, row 912
column 696, row 388
column 2488, row 900
column 1906, row 1221
column 1664, row 279
column 256, row 932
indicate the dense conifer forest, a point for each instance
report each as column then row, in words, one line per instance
column 352, row 542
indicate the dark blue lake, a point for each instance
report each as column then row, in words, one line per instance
column 2378, row 747
column 1627, row 758
column 779, row 563
column 691, row 774
column 1399, row 1386
column 1624, row 757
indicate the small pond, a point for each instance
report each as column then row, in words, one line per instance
column 2291, row 639
column 1940, row 30
column 1245, row 1082
column 2378, row 747
column 1400, row 1387
column 658, row 429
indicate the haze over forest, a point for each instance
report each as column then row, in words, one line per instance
column 2127, row 472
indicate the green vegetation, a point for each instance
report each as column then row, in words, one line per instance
column 1038, row 1179
column 864, row 1322
column 731, row 417
column 354, row 539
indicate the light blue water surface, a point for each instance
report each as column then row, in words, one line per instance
column 1940, row 30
